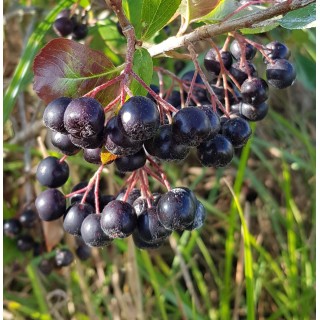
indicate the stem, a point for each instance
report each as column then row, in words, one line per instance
column 96, row 189
column 69, row 195
column 131, row 182
column 63, row 158
column 163, row 175
column 111, row 104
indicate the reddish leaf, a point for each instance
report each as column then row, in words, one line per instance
column 70, row 69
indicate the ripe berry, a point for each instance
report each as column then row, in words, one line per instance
column 240, row 72
column 28, row 218
column 104, row 200
column 213, row 118
column 132, row 162
column 254, row 91
column 141, row 244
column 75, row 216
column 63, row 143
column 117, row 142
column 25, row 243
column 276, row 50
column 253, row 113
column 84, row 118
column 250, row 50
column 52, row 173
column 92, row 233
column 220, row 92
column 164, row 146
column 176, row 209
column 83, row 252
column 92, row 155
column 175, row 99
column 46, row 266
column 149, row 227
column 237, row 131
column 156, row 89
column 12, row 227
column 63, row 26
column 199, row 93
column 63, row 258
column 212, row 62
column 118, row 219
column 80, row 31
column 133, row 195
column 216, row 152
column 281, row 74
column 54, row 113
column 199, row 217
column 50, row 204
column 139, row 118
column 190, row 126
column 78, row 196
column 92, row 142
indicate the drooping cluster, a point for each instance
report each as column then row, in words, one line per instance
column 67, row 24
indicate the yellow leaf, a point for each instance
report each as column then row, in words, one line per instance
column 107, row 157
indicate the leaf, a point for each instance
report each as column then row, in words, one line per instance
column 133, row 11
column 143, row 67
column 261, row 27
column 52, row 233
column 107, row 157
column 155, row 15
column 194, row 9
column 301, row 18
column 224, row 8
column 68, row 68
column 22, row 71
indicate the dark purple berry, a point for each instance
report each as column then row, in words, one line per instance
column 88, row 143
column 50, row 204
column 25, row 243
column 156, row 89
column 216, row 152
column 63, row 258
column 254, row 91
column 175, row 99
column 63, row 26
column 92, row 233
column 63, row 143
column 12, row 227
column 253, row 113
column 52, row 173
column 104, row 200
column 117, row 142
column 54, row 113
column 237, row 131
column 65, row 13
column 199, row 217
column 240, row 72
column 250, row 50
column 212, row 62
column 46, row 266
column 92, row 155
column 213, row 118
column 190, row 126
column 176, row 209
column 199, row 93
column 139, row 118
column 118, row 219
column 84, row 118
column 132, row 162
column 276, row 50
column 133, row 195
column 80, row 31
column 149, row 227
column 74, row 217
column 281, row 74
column 78, row 196
column 83, row 252
column 141, row 244
column 28, row 218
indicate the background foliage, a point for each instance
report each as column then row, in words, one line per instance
column 198, row 275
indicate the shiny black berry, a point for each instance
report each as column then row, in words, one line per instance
column 25, row 243
column 237, row 131
column 28, row 218
column 12, row 227
column 199, row 217
column 235, row 48
column 133, row 195
column 118, row 219
column 92, row 142
column 83, row 252
column 132, row 162
column 84, row 118
column 213, row 118
column 92, row 233
column 276, row 50
column 141, row 244
column 63, row 26
column 63, row 143
column 139, row 118
column 212, row 62
column 240, row 72
column 199, row 93
column 92, row 155
column 52, row 173
column 216, row 152
column 176, row 209
column 281, row 74
column 253, row 113
column 254, row 91
column 54, row 113
column 50, row 204
column 63, row 258
column 80, row 31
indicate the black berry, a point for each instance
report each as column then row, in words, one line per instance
column 212, row 62
column 235, row 48
column 63, row 258
column 281, row 74
column 254, row 91
column 237, row 131
column 131, row 162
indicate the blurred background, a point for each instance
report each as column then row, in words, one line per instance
column 194, row 275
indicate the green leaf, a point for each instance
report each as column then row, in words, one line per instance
column 261, row 28
column 224, row 8
column 156, row 14
column 301, row 18
column 22, row 72
column 143, row 67
column 133, row 11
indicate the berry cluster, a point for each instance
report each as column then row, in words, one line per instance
column 67, row 24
